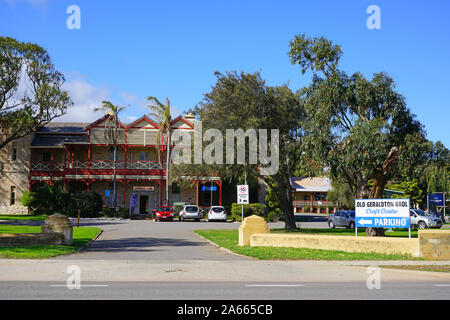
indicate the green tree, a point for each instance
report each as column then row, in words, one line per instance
column 31, row 93
column 410, row 189
column 359, row 128
column 113, row 132
column 244, row 101
column 342, row 194
column 164, row 118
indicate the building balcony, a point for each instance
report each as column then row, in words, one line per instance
column 97, row 165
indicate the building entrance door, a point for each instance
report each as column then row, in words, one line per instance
column 143, row 204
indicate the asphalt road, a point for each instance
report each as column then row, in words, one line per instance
column 190, row 291
column 167, row 260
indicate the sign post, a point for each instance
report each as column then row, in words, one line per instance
column 382, row 213
column 242, row 197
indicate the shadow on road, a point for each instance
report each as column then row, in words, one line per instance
column 140, row 244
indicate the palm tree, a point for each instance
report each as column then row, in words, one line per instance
column 162, row 113
column 112, row 133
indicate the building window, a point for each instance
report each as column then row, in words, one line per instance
column 145, row 156
column 14, row 151
column 46, row 156
column 111, row 153
column 12, row 199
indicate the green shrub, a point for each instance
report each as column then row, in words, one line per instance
column 51, row 199
column 275, row 215
column 89, row 203
column 124, row 213
column 28, row 199
column 249, row 209
column 107, row 212
column 177, row 207
column 306, row 209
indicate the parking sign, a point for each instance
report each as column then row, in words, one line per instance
column 382, row 213
column 242, row 194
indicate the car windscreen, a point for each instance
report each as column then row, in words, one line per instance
column 217, row 210
column 351, row 213
column 191, row 209
column 164, row 209
column 421, row 212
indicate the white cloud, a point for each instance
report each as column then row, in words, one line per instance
column 86, row 97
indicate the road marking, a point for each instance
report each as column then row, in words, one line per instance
column 442, row 285
column 274, row 285
column 83, row 285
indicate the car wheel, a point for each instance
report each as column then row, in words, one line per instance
column 331, row 224
column 352, row 225
column 422, row 225
column 197, row 220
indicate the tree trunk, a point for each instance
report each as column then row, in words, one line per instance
column 285, row 198
column 377, row 190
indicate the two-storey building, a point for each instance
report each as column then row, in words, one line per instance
column 79, row 156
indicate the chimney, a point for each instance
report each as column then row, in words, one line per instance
column 189, row 118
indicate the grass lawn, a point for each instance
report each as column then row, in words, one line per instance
column 229, row 239
column 348, row 232
column 81, row 236
column 23, row 217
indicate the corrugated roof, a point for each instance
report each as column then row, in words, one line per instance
column 63, row 127
column 315, row 184
column 43, row 140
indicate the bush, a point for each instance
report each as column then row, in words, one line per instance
column 50, row 199
column 249, row 209
column 28, row 199
column 177, row 207
column 306, row 209
column 124, row 213
column 89, row 203
column 108, row 212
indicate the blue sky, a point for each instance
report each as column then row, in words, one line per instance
column 128, row 50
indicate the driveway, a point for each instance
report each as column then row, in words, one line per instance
column 155, row 241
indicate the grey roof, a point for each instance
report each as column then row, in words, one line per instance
column 63, row 127
column 42, row 140
column 57, row 134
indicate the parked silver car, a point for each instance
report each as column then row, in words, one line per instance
column 424, row 220
column 190, row 212
column 342, row 219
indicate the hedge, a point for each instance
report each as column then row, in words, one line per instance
column 258, row 209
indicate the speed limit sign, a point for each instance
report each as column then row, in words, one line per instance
column 242, row 194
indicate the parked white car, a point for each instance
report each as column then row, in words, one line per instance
column 424, row 220
column 190, row 212
column 217, row 213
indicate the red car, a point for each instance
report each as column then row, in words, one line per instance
column 164, row 213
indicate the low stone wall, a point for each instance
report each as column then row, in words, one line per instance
column 30, row 239
column 383, row 245
column 56, row 230
column 435, row 244
column 13, row 210
column 251, row 225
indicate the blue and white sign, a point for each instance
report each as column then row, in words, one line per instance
column 382, row 213
column 207, row 188
column 436, row 199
